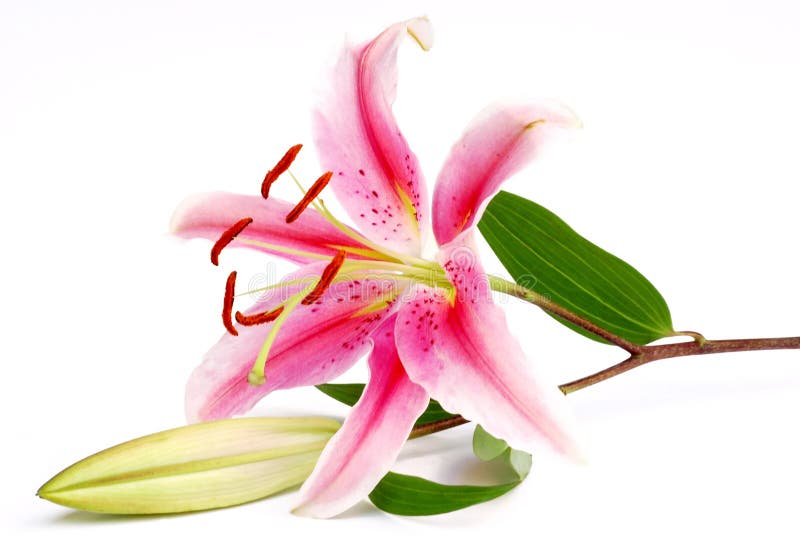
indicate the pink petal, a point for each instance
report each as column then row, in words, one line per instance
column 498, row 143
column 465, row 357
column 316, row 344
column 208, row 215
column 367, row 445
column 359, row 141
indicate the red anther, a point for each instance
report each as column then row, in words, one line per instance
column 312, row 193
column 258, row 318
column 227, row 307
column 227, row 237
column 327, row 277
column 282, row 165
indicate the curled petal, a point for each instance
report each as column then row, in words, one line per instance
column 210, row 215
column 499, row 142
column 367, row 445
column 464, row 356
column 316, row 344
column 376, row 176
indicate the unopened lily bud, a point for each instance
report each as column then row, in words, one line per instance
column 202, row 466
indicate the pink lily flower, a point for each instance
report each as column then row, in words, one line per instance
column 429, row 325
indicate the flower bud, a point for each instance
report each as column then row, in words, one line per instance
column 201, row 466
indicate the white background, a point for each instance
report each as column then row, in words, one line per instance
column 687, row 167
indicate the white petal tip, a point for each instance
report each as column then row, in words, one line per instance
column 308, row 511
column 569, row 119
column 180, row 217
column 554, row 113
column 421, row 31
column 176, row 222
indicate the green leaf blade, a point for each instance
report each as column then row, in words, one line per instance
column 414, row 496
column 485, row 446
column 518, row 461
column 544, row 254
column 346, row 393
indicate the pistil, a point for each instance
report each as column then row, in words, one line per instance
column 256, row 376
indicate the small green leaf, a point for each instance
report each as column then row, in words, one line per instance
column 202, row 466
column 542, row 253
column 346, row 393
column 414, row 496
column 485, row 446
column 349, row 393
column 519, row 461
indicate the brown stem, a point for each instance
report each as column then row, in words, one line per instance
column 652, row 353
column 646, row 354
column 436, row 426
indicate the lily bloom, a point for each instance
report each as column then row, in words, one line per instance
column 429, row 324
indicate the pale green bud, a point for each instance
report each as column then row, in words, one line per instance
column 202, row 466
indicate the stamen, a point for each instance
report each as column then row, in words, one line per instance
column 327, row 277
column 258, row 318
column 227, row 237
column 282, row 165
column 386, row 253
column 293, row 282
column 312, row 193
column 227, row 307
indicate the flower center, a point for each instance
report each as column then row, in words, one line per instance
column 369, row 262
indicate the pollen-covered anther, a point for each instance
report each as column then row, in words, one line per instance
column 227, row 237
column 330, row 272
column 282, row 165
column 312, row 193
column 227, row 306
column 258, row 318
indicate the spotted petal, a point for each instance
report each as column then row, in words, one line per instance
column 315, row 345
column 308, row 239
column 464, row 356
column 367, row 445
column 376, row 176
column 499, row 142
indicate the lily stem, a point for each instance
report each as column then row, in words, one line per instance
column 651, row 353
column 501, row 285
column 645, row 354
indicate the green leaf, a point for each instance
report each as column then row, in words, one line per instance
column 202, row 466
column 485, row 446
column 542, row 253
column 349, row 393
column 488, row 448
column 346, row 393
column 409, row 495
column 519, row 461
column 414, row 496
